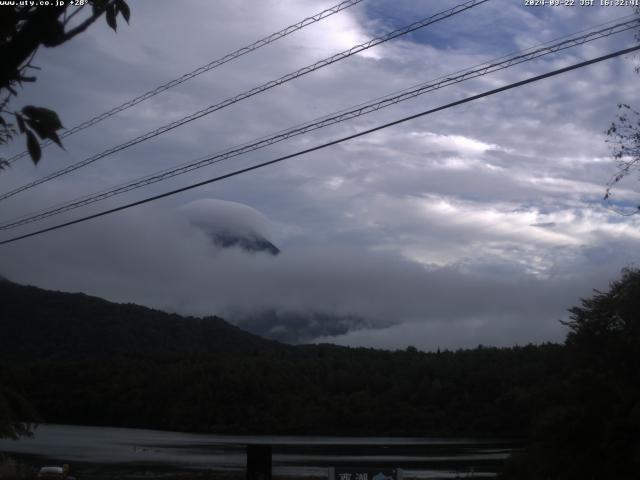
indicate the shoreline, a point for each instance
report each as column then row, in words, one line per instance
column 28, row 466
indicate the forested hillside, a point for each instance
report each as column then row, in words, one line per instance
column 42, row 324
column 310, row 390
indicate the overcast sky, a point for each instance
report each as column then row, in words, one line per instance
column 478, row 224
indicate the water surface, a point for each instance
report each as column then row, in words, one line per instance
column 428, row 457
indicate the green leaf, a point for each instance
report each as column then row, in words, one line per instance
column 34, row 147
column 97, row 6
column 111, row 17
column 123, row 8
column 20, row 123
column 54, row 136
column 44, row 116
column 54, row 34
column 36, row 127
column 44, row 122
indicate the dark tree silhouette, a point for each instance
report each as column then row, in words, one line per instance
column 16, row 415
column 23, row 30
column 589, row 425
column 624, row 137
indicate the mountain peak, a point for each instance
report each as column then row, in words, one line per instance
column 249, row 243
column 231, row 224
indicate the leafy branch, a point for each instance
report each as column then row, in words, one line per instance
column 23, row 29
column 624, row 137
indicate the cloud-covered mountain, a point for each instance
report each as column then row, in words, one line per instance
column 250, row 243
column 231, row 224
column 298, row 327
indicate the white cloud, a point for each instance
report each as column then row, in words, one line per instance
column 457, row 143
column 226, row 217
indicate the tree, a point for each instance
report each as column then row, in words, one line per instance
column 23, row 30
column 624, row 136
column 16, row 415
column 608, row 317
column 589, row 426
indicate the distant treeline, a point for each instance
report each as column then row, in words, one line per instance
column 576, row 404
column 307, row 390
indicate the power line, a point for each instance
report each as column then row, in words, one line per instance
column 344, row 115
column 254, row 91
column 327, row 144
column 199, row 71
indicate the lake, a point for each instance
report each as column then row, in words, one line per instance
column 135, row 449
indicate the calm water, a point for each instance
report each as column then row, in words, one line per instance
column 419, row 457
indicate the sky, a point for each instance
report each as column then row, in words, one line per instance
column 479, row 224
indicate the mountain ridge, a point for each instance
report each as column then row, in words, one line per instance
column 44, row 324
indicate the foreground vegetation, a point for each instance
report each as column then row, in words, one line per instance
column 312, row 390
column 591, row 426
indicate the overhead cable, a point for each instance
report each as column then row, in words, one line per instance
column 254, row 91
column 342, row 116
column 199, row 71
column 327, row 144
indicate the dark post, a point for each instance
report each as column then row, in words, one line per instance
column 258, row 462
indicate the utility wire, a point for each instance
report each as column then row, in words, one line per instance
column 254, row 91
column 344, row 115
column 328, row 144
column 199, row 71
